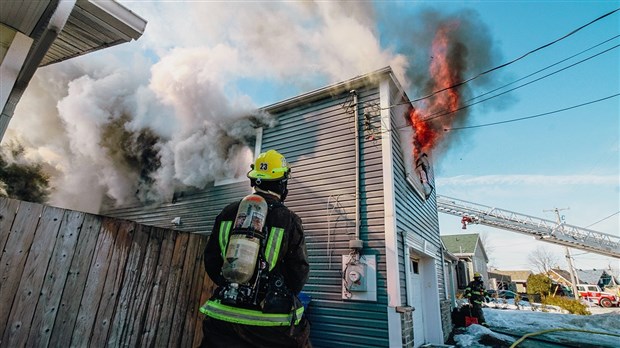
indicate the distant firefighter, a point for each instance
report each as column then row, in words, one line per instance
column 476, row 294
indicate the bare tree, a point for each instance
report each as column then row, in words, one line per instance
column 542, row 259
column 489, row 248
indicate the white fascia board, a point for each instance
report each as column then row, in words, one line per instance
column 12, row 65
column 61, row 15
column 389, row 216
column 117, row 16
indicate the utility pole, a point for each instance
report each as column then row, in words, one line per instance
column 569, row 259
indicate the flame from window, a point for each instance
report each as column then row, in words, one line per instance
column 445, row 70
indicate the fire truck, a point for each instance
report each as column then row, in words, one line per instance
column 594, row 294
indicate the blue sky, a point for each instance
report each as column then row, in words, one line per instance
column 241, row 55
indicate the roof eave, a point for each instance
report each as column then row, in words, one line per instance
column 331, row 90
column 116, row 15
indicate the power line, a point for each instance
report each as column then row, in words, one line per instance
column 444, row 113
column 534, row 116
column 603, row 219
column 460, row 83
column 543, row 69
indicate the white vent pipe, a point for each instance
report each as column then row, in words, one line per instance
column 356, row 243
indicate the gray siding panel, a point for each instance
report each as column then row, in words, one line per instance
column 197, row 210
column 319, row 142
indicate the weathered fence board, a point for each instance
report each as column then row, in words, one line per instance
column 95, row 283
column 114, row 278
column 130, row 283
column 77, row 279
column 31, row 282
column 8, row 209
column 196, row 292
column 145, row 286
column 159, row 290
column 47, row 306
column 184, row 293
column 171, row 298
column 14, row 256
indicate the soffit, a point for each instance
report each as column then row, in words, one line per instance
column 92, row 25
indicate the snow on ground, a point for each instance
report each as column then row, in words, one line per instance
column 506, row 318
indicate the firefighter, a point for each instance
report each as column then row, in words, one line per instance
column 476, row 294
column 264, row 311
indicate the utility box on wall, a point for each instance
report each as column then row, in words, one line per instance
column 359, row 277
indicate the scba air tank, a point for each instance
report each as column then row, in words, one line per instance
column 245, row 240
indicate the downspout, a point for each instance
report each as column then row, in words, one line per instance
column 356, row 244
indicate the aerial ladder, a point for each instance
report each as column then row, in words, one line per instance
column 546, row 230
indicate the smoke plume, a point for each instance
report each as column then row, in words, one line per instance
column 177, row 108
column 452, row 49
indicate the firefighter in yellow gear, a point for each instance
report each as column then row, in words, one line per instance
column 476, row 294
column 263, row 311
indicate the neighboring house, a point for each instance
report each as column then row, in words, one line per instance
column 600, row 277
column 518, row 278
column 406, row 302
column 472, row 257
column 498, row 281
column 450, row 277
column 39, row 33
column 563, row 277
column 609, row 279
column 603, row 278
column 588, row 276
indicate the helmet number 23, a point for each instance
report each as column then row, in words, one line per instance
column 263, row 166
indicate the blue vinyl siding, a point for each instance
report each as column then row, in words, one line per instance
column 413, row 214
column 197, row 209
column 318, row 140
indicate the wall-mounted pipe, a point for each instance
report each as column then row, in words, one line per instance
column 356, row 243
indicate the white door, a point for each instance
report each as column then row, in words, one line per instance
column 419, row 336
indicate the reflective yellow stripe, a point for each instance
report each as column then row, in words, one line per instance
column 225, row 227
column 217, row 310
column 274, row 243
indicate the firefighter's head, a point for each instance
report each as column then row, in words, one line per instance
column 270, row 173
column 477, row 276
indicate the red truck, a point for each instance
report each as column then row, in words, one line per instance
column 595, row 294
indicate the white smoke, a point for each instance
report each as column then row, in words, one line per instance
column 183, row 81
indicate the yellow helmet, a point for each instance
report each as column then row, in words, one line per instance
column 477, row 275
column 269, row 166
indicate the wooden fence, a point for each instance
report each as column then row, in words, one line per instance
column 75, row 279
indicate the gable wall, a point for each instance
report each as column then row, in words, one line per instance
column 318, row 140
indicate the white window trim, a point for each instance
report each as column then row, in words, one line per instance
column 411, row 174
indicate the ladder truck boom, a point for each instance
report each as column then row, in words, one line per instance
column 546, row 230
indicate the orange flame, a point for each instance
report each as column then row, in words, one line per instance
column 445, row 71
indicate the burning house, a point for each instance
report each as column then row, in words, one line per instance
column 362, row 178
column 363, row 188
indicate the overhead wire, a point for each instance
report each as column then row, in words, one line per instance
column 543, row 69
column 603, row 219
column 444, row 112
column 534, row 116
column 460, row 83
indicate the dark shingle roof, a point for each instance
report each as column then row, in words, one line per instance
column 590, row 276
